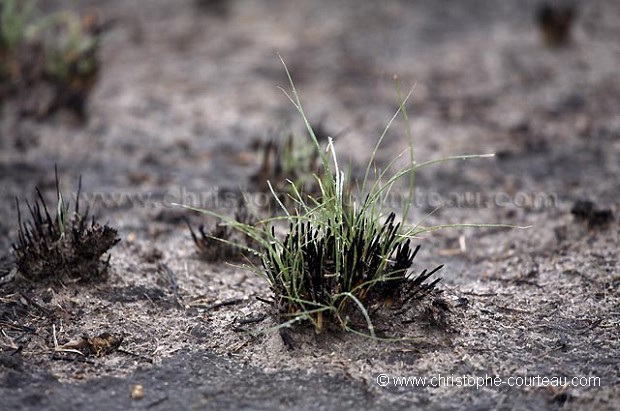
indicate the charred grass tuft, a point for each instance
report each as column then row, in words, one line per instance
column 330, row 260
column 223, row 243
column 64, row 245
column 340, row 272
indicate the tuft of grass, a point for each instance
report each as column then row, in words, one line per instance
column 65, row 247
column 14, row 16
column 333, row 271
column 331, row 261
column 58, row 52
column 222, row 243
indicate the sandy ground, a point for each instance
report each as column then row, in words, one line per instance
column 182, row 95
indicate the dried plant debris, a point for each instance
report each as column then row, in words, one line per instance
column 555, row 23
column 328, row 275
column 222, row 242
column 586, row 211
column 47, row 63
column 66, row 247
column 103, row 344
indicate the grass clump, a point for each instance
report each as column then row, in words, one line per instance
column 338, row 260
column 66, row 247
column 221, row 242
column 331, row 260
column 329, row 271
column 50, row 62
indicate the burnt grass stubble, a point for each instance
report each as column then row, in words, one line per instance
column 68, row 247
column 362, row 270
column 221, row 242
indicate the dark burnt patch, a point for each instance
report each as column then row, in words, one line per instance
column 68, row 247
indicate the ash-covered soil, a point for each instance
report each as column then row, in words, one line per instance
column 182, row 95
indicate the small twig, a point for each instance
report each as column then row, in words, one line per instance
column 149, row 298
column 264, row 300
column 142, row 357
column 13, row 347
column 239, row 346
column 19, row 327
column 250, row 320
column 57, row 347
column 218, row 304
column 172, row 278
column 157, row 402
column 70, row 350
column 243, row 321
column 54, row 336
column 592, row 326
column 480, row 294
